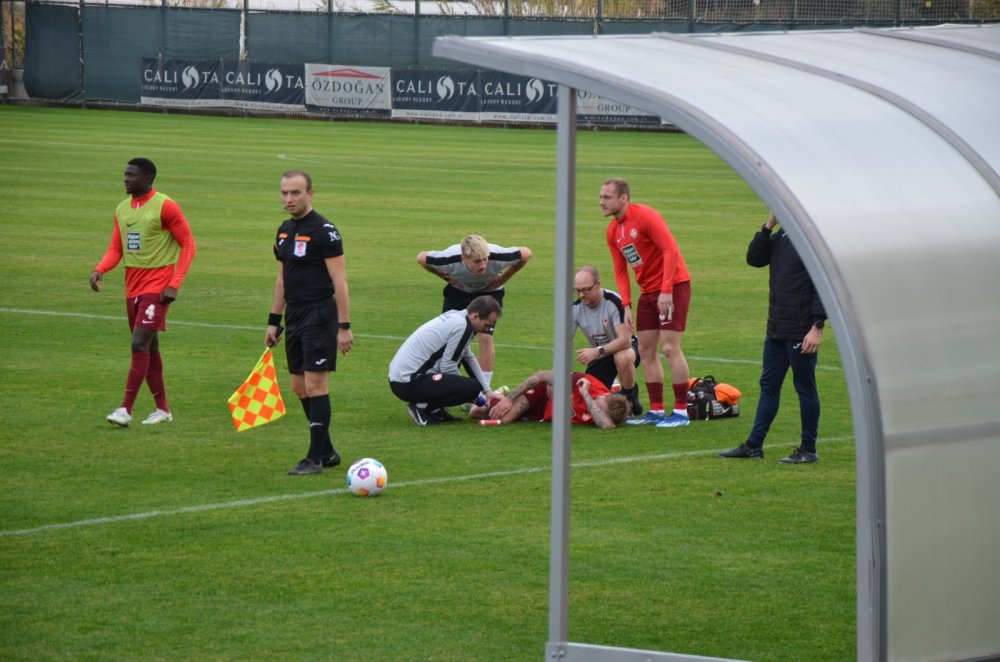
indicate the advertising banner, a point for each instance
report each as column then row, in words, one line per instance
column 593, row 109
column 355, row 91
column 435, row 94
column 511, row 98
column 222, row 84
column 263, row 85
column 373, row 92
column 181, row 83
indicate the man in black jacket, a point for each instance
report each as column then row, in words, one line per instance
column 795, row 320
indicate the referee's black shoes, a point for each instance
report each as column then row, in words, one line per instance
column 306, row 467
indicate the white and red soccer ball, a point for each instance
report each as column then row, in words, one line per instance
column 367, row 477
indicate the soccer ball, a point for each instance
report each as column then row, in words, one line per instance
column 367, row 477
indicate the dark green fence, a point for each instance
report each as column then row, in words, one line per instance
column 91, row 53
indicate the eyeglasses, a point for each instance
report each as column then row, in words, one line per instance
column 584, row 291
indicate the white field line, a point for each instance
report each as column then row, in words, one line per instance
column 241, row 503
column 410, row 164
column 372, row 336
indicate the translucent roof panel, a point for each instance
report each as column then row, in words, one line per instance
column 879, row 150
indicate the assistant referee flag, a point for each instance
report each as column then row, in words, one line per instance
column 258, row 400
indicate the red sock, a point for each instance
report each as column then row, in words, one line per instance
column 681, row 396
column 154, row 379
column 136, row 376
column 655, row 391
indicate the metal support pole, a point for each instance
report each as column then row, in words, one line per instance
column 416, row 32
column 244, row 12
column 14, row 63
column 329, row 32
column 3, row 32
column 562, row 365
column 83, row 58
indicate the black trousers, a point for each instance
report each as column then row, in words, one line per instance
column 437, row 390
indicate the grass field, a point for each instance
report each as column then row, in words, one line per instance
column 188, row 541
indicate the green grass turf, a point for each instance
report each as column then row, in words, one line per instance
column 188, row 541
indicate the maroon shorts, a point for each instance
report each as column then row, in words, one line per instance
column 147, row 311
column 537, row 398
column 647, row 314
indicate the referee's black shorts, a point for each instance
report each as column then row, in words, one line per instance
column 311, row 337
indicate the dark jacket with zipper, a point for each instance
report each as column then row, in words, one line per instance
column 793, row 304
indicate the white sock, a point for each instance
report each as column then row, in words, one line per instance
column 489, row 378
column 681, row 412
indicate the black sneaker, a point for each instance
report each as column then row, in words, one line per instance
column 636, row 405
column 442, row 415
column 331, row 460
column 800, row 456
column 305, row 467
column 418, row 414
column 744, row 451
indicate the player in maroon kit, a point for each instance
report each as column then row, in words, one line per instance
column 592, row 402
column 152, row 235
column 639, row 237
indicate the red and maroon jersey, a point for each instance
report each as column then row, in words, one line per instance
column 139, row 280
column 642, row 240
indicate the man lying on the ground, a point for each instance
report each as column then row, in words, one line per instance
column 592, row 402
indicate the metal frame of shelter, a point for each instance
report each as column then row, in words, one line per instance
column 879, row 150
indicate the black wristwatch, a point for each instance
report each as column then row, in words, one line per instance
column 819, row 324
column 345, row 325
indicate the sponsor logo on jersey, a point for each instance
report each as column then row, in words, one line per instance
column 632, row 255
column 133, row 241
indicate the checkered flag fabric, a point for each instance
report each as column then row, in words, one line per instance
column 258, row 401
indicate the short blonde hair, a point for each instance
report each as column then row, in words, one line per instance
column 475, row 246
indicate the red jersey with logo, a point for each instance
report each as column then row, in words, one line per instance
column 581, row 414
column 642, row 240
column 139, row 280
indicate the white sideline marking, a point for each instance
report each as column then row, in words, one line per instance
column 287, row 157
column 409, row 164
column 240, row 503
column 374, row 336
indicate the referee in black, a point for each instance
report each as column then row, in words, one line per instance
column 311, row 291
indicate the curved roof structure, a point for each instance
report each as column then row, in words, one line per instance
column 880, row 152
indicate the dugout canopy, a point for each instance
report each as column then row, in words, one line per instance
column 879, row 151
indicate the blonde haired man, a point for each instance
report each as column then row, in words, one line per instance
column 474, row 268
